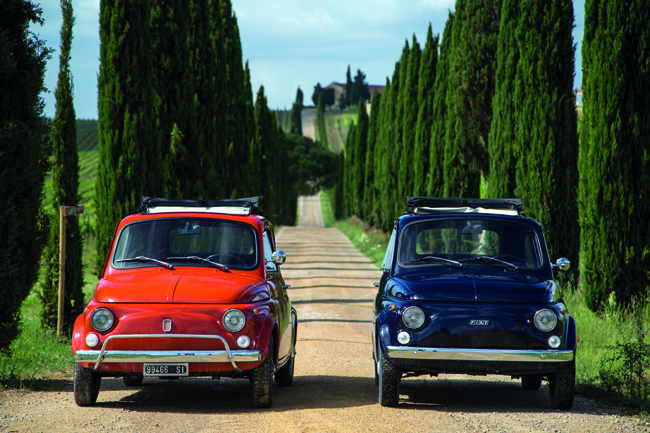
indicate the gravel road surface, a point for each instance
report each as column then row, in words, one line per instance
column 333, row 390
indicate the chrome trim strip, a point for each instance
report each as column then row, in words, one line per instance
column 128, row 354
column 428, row 353
column 112, row 356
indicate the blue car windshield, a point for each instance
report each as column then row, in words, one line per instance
column 469, row 241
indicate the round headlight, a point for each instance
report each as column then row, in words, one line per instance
column 545, row 320
column 244, row 341
column 92, row 340
column 102, row 319
column 404, row 337
column 234, row 320
column 554, row 341
column 413, row 317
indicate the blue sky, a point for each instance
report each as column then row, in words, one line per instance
column 288, row 43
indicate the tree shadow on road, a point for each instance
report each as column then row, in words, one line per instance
column 203, row 395
column 478, row 395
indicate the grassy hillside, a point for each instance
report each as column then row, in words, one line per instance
column 337, row 125
column 88, row 144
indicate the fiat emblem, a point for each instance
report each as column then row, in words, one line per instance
column 167, row 325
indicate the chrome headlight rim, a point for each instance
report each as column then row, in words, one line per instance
column 407, row 318
column 226, row 322
column 110, row 322
column 540, row 315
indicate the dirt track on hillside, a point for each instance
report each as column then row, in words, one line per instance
column 333, row 389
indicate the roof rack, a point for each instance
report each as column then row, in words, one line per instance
column 429, row 205
column 241, row 206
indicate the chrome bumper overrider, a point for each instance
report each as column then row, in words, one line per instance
column 112, row 356
column 427, row 353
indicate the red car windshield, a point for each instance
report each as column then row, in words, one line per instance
column 184, row 241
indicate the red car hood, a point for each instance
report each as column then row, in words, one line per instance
column 187, row 286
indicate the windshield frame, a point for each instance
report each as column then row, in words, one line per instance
column 184, row 263
column 539, row 242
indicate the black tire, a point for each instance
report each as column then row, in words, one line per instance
column 86, row 385
column 531, row 383
column 376, row 374
column 262, row 380
column 389, row 377
column 562, row 387
column 284, row 376
column 132, row 380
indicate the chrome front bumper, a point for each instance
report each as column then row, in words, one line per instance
column 440, row 354
column 113, row 356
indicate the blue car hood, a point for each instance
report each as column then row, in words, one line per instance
column 469, row 287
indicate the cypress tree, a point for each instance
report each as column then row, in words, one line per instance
column 546, row 143
column 426, row 95
column 614, row 157
column 173, row 93
column 410, row 106
column 436, row 185
column 65, row 184
column 400, row 103
column 471, row 88
column 24, row 159
column 129, row 146
column 340, row 188
column 251, row 182
column 391, row 155
column 359, row 164
column 381, row 158
column 348, row 180
column 370, row 195
column 296, row 114
column 239, row 134
column 502, row 131
column 349, row 89
column 320, row 120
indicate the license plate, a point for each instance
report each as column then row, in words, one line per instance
column 165, row 370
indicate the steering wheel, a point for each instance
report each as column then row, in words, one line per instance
column 511, row 259
column 235, row 257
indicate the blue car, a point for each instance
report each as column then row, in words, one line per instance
column 468, row 288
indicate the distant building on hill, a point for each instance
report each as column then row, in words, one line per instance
column 339, row 90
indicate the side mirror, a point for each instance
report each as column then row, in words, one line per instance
column 278, row 257
column 563, row 264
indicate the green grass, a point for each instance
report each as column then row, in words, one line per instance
column 37, row 355
column 596, row 333
column 370, row 241
column 337, row 125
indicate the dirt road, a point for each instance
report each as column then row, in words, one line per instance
column 308, row 118
column 333, row 391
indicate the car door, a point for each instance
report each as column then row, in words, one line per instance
column 280, row 296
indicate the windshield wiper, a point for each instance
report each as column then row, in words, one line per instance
column 215, row 264
column 437, row 259
column 146, row 259
column 489, row 259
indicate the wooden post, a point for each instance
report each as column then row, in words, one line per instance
column 62, row 223
column 65, row 211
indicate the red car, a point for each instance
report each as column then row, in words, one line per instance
column 189, row 288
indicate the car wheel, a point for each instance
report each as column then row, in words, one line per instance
column 132, row 380
column 86, row 385
column 377, row 367
column 284, row 376
column 389, row 376
column 562, row 386
column 262, row 380
column 531, row 383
